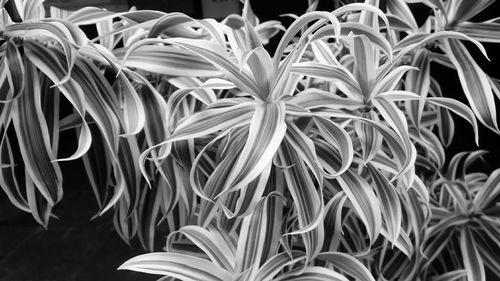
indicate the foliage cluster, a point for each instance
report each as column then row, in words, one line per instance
column 322, row 161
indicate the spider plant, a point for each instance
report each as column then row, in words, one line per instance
column 322, row 160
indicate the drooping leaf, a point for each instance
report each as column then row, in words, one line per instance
column 418, row 39
column 333, row 221
column 307, row 201
column 338, row 138
column 40, row 208
column 475, row 84
column 34, row 140
column 389, row 201
column 67, row 35
column 134, row 115
column 357, row 189
column 14, row 68
column 483, row 32
column 447, row 103
column 47, row 62
column 8, row 180
column 304, row 147
column 266, row 131
column 321, row 18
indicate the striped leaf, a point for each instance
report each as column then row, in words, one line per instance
column 401, row 156
column 364, row 64
column 304, row 147
column 481, row 31
column 347, row 264
column 277, row 263
column 134, row 116
column 357, row 189
column 389, row 201
column 328, row 72
column 401, row 9
column 34, row 140
column 149, row 212
column 267, row 130
column 489, row 191
column 47, row 62
column 40, row 208
column 459, row 11
column 306, row 199
column 315, row 98
column 319, row 19
column 183, row 267
column 259, row 236
column 419, row 39
column 315, row 273
column 337, row 137
column 369, row 137
column 349, row 28
column 8, row 180
column 217, row 56
column 472, row 260
column 418, row 82
column 66, row 34
column 474, row 82
column 14, row 68
column 210, row 242
column 166, row 60
column 453, row 105
column 397, row 120
column 212, row 120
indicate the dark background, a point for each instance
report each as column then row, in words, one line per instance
column 77, row 248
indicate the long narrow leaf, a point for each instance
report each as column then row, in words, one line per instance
column 475, row 84
column 34, row 140
column 183, row 267
column 472, row 260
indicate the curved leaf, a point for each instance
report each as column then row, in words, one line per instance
column 312, row 273
column 183, row 267
column 306, row 199
column 475, row 84
column 34, row 140
column 14, row 68
column 166, row 60
column 347, row 264
column 217, row 249
column 259, row 235
column 339, row 138
column 328, row 72
column 267, row 130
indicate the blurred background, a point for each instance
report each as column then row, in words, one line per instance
column 74, row 247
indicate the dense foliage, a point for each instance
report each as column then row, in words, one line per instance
column 321, row 161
